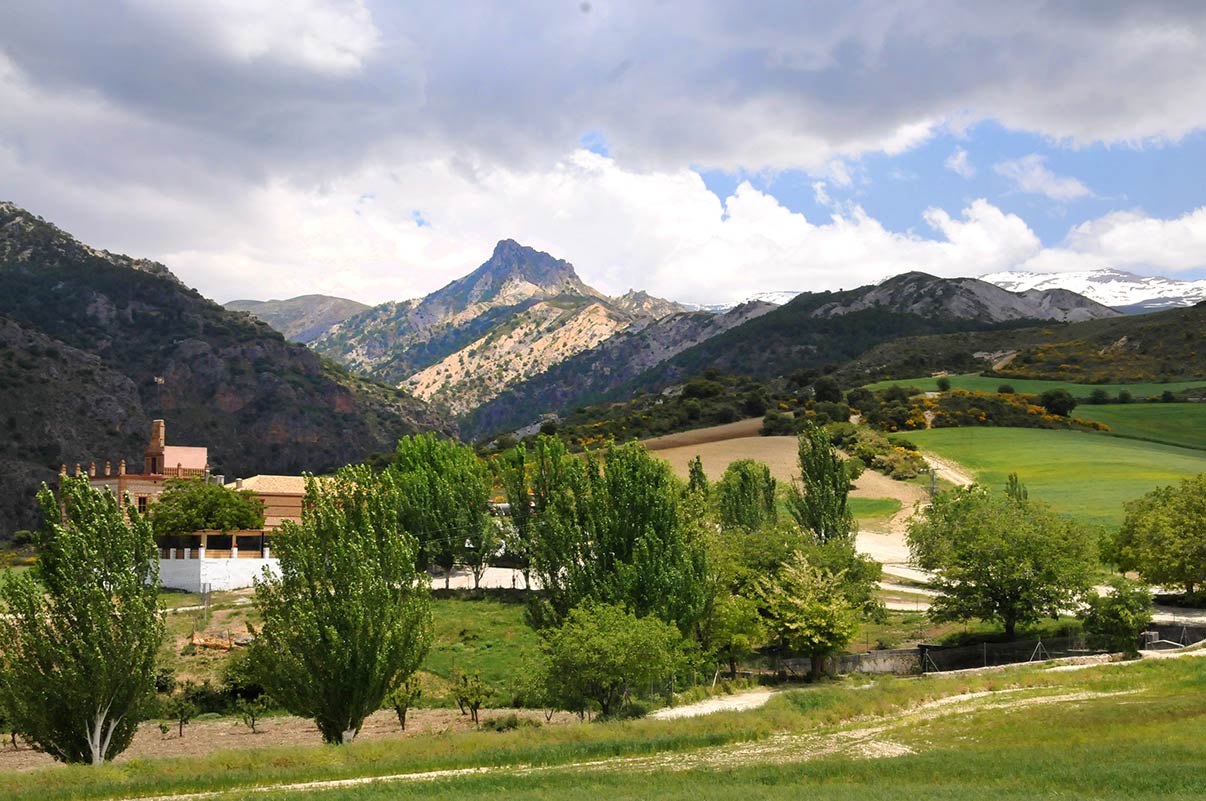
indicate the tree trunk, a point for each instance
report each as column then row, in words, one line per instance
column 732, row 668
column 818, row 662
column 347, row 736
column 1010, row 629
column 447, row 578
column 401, row 712
column 181, row 724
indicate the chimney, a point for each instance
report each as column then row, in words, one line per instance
column 92, row 470
column 121, row 467
column 238, row 483
column 108, row 467
column 78, row 471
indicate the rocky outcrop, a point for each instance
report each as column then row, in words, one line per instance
column 301, row 319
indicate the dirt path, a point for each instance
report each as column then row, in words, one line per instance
column 951, row 471
column 721, row 703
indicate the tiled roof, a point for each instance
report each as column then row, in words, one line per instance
column 282, row 485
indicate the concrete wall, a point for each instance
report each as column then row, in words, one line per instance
column 221, row 574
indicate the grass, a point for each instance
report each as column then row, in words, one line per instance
column 1146, row 741
column 873, row 508
column 487, row 637
column 979, row 383
column 1086, row 475
column 1182, row 424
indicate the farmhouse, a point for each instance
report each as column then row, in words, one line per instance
column 202, row 560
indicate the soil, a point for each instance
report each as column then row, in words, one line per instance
column 720, row 703
column 207, row 736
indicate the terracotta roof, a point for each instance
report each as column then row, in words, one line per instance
column 281, row 485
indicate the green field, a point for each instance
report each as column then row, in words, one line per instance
column 1181, row 424
column 979, row 383
column 486, row 637
column 873, row 508
column 1085, row 475
column 1132, row 731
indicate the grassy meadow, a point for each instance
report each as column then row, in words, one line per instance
column 1182, row 424
column 1133, row 730
column 978, row 383
column 1086, row 475
column 486, row 637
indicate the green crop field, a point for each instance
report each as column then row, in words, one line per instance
column 1128, row 731
column 1181, row 424
column 1086, row 475
column 979, row 383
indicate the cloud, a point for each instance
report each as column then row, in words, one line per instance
column 1130, row 240
column 1030, row 174
column 958, row 163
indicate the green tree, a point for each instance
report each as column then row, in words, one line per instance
column 807, row 611
column 79, row 632
column 512, row 470
column 252, row 710
column 1163, row 536
column 1117, row 619
column 697, row 479
column 443, row 501
column 181, row 709
column 188, row 505
column 734, row 630
column 745, row 496
column 995, row 557
column 349, row 617
column 604, row 654
column 944, row 384
column 470, row 693
column 403, row 697
column 615, row 531
column 819, row 505
column 1058, row 402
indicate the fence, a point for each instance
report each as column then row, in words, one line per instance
column 937, row 658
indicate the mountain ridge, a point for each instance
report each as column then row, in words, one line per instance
column 1115, row 288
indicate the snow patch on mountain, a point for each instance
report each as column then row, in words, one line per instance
column 1116, row 288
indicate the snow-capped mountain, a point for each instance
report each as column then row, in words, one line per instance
column 1122, row 290
column 776, row 297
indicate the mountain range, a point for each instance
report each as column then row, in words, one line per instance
column 301, row 319
column 1121, row 290
column 93, row 345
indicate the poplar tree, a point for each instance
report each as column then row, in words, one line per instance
column 820, row 504
column 745, row 496
column 349, row 617
column 80, row 630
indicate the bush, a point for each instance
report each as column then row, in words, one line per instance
column 944, row 384
column 1125, row 396
column 1058, row 402
column 1115, row 621
column 1005, row 389
column 777, row 424
column 1099, row 397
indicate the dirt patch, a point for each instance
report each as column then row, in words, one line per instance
column 208, row 736
column 777, row 453
column 721, row 703
column 740, row 429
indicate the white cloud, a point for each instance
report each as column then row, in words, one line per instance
column 1130, row 241
column 1030, row 174
column 958, row 163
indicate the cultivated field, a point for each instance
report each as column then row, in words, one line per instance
column 1086, row 475
column 978, row 383
column 1181, row 424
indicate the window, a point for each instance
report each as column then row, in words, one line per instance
column 142, row 504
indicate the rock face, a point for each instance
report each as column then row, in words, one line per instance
column 301, row 319
column 93, row 345
column 514, row 317
column 594, row 373
column 968, row 299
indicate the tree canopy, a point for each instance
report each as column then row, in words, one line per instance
column 807, row 610
column 818, row 503
column 603, row 654
column 614, row 530
column 80, row 631
column 1000, row 557
column 349, row 618
column 745, row 496
column 188, row 505
column 443, row 500
column 1163, row 537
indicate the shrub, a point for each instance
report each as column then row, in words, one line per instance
column 944, row 384
column 1116, row 620
column 1005, row 389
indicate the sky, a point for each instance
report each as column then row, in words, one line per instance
column 702, row 151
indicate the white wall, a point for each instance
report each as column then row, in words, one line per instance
column 221, row 574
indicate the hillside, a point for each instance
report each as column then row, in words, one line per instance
column 1161, row 346
column 93, row 345
column 518, row 314
column 592, row 374
column 830, row 328
column 301, row 319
